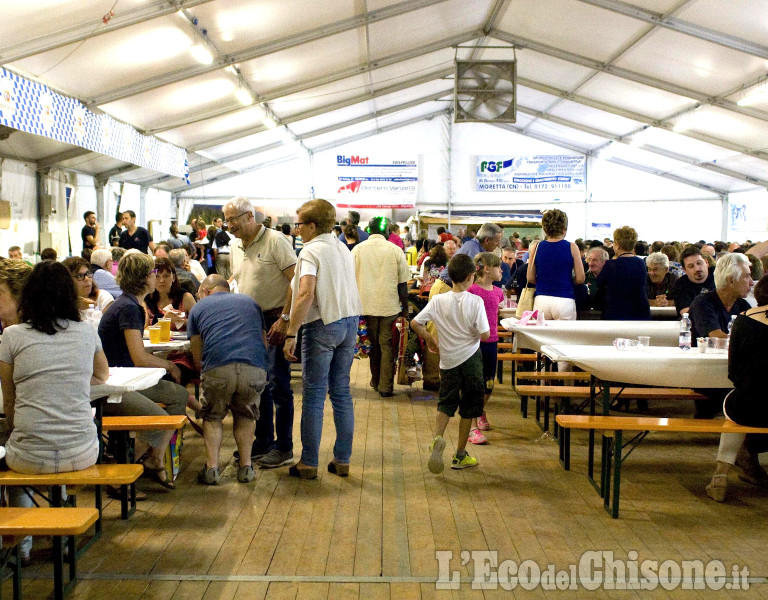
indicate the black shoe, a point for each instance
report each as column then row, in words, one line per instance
column 113, row 491
column 386, row 394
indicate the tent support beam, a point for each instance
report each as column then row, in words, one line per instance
column 680, row 26
column 261, row 50
column 124, row 18
column 618, row 161
column 660, row 84
column 367, row 117
column 626, row 140
column 328, row 146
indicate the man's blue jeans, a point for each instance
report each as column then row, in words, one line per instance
column 327, row 352
column 278, row 393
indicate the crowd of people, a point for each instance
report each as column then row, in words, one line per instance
column 300, row 294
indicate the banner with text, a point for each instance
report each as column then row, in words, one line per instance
column 371, row 181
column 540, row 173
column 30, row 106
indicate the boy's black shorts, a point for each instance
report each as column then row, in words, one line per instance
column 463, row 387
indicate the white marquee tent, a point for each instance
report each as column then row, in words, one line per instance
column 666, row 99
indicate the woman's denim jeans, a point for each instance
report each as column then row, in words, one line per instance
column 327, row 352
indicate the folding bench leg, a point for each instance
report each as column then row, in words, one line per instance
column 127, row 492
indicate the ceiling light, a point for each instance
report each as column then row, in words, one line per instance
column 231, row 69
column 269, row 122
column 244, row 96
column 755, row 97
column 201, row 54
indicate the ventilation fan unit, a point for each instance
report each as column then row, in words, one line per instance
column 485, row 91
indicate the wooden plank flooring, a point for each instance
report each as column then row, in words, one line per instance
column 375, row 534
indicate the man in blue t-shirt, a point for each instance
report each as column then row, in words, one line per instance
column 228, row 342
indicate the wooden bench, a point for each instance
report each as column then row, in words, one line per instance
column 552, row 376
column 589, row 393
column 17, row 523
column 613, row 428
column 97, row 475
column 514, row 358
column 126, row 427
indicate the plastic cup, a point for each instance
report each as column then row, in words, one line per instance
column 711, row 344
column 154, row 334
column 165, row 330
column 644, row 341
column 721, row 345
column 701, row 344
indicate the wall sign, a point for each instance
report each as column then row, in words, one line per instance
column 371, row 181
column 540, row 173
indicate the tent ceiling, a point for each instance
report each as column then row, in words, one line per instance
column 607, row 77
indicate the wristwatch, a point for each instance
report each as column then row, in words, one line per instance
column 285, row 317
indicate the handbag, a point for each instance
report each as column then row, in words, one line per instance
column 525, row 302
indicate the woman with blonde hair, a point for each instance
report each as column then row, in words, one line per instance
column 325, row 301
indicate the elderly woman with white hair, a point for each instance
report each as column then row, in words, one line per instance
column 660, row 279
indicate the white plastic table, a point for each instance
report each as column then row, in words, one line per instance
column 654, row 366
column 596, row 333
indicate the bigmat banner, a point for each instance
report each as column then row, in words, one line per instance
column 372, row 181
column 540, row 173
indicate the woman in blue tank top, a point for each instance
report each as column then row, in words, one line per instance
column 555, row 267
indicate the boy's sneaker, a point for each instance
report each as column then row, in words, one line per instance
column 245, row 474
column 275, row 458
column 435, row 464
column 208, row 476
column 482, row 423
column 476, row 437
column 463, row 462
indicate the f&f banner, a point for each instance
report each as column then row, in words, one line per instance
column 540, row 173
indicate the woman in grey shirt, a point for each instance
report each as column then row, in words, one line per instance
column 47, row 402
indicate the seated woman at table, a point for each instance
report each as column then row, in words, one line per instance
column 624, row 280
column 88, row 293
column 47, row 401
column 167, row 293
column 745, row 405
column 121, row 331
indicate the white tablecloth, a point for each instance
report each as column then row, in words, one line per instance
column 596, row 333
column 126, row 379
column 166, row 346
column 656, row 366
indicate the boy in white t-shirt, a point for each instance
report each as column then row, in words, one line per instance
column 461, row 324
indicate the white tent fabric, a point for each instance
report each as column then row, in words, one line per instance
column 668, row 88
column 17, row 186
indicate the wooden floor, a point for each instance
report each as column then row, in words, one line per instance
column 375, row 534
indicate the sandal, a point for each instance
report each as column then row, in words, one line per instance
column 717, row 487
column 154, row 475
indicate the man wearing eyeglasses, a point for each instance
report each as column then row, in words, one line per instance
column 263, row 264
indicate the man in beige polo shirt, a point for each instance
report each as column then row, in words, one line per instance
column 382, row 275
column 262, row 264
